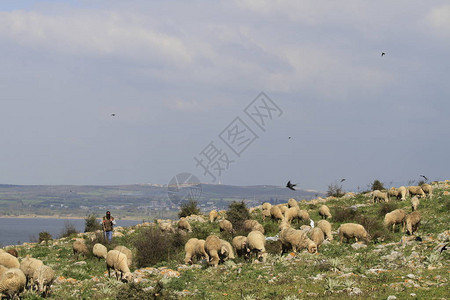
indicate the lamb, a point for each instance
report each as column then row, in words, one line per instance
column 317, row 236
column 412, row 222
column 427, row 189
column 326, row 228
column 226, row 225
column 296, row 240
column 402, row 191
column 416, row 191
column 394, row 217
column 379, row 196
column 257, row 244
column 276, row 213
column 79, row 247
column 183, row 224
column 195, row 248
column 43, row 279
column 226, row 251
column 12, row 282
column 127, row 252
column 9, row 261
column 292, row 203
column 28, row 266
column 324, row 212
column 240, row 246
column 250, row 225
column 414, row 203
column 266, row 206
column 352, row 230
column 118, row 261
column 213, row 215
column 99, row 251
column 213, row 247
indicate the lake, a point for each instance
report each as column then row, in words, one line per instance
column 16, row 231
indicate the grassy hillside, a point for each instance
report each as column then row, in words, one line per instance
column 393, row 264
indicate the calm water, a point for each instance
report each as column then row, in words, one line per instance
column 14, row 231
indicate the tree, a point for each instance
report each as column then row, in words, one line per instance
column 91, row 224
column 377, row 185
column 189, row 208
column 237, row 213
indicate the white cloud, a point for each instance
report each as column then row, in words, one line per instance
column 439, row 20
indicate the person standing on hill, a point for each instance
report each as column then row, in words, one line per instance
column 108, row 226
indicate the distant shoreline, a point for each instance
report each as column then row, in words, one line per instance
column 67, row 217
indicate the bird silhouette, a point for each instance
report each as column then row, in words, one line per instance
column 289, row 138
column 113, row 115
column 290, row 185
column 383, row 54
column 424, row 177
column 343, row 179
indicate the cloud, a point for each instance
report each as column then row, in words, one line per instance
column 439, row 20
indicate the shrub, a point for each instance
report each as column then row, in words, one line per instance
column 347, row 214
column 189, row 208
column 91, row 224
column 68, row 230
column 377, row 185
column 44, row 236
column 386, row 208
column 237, row 213
column 335, row 190
column 135, row 291
column 375, row 228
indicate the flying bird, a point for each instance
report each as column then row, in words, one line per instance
column 383, row 54
column 343, row 179
column 289, row 138
column 290, row 185
column 113, row 115
column 424, row 177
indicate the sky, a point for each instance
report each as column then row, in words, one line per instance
column 242, row 92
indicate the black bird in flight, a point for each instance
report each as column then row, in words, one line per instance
column 290, row 185
column 289, row 138
column 113, row 115
column 424, row 177
column 343, row 179
column 383, row 54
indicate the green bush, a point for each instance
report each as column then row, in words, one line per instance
column 237, row 213
column 377, row 185
column 342, row 215
column 44, row 236
column 91, row 224
column 188, row 209
column 387, row 207
column 68, row 230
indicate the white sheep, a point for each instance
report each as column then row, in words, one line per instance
column 324, row 212
column 414, row 203
column 250, row 225
column 412, row 222
column 284, row 224
column 257, row 244
column 2, row 270
column 43, row 279
column 317, row 236
column 213, row 247
column 12, row 282
column 28, row 266
column 305, row 228
column 427, row 189
column 402, row 192
column 304, row 215
column 394, row 217
column 416, row 191
column 166, row 227
column 183, row 224
column 266, row 206
column 352, row 230
column 392, row 193
column 213, row 215
column 195, row 248
column 99, row 251
column 292, row 203
column 8, row 260
column 293, row 213
column 240, row 246
column 265, row 213
column 276, row 213
column 326, row 228
column 226, row 226
column 79, row 247
column 283, row 208
column 296, row 240
column 118, row 262
column 226, row 251
column 127, row 252
column 379, row 196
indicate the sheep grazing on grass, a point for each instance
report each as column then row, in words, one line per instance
column 324, row 212
column 213, row 215
column 416, row 191
column 427, row 189
column 166, row 227
column 195, row 248
column 12, row 283
column 326, row 228
column 317, row 236
column 292, row 203
column 43, row 279
column 305, row 228
column 394, row 217
column 256, row 242
column 304, row 215
column 240, row 246
column 117, row 261
column 414, row 203
column 276, row 213
column 293, row 213
column 226, row 251
column 266, row 214
column 284, row 224
column 79, row 247
column 266, row 206
column 402, row 192
column 392, row 193
column 226, row 226
column 8, row 261
column 412, row 222
column 213, row 247
column 379, row 196
column 99, row 251
column 352, row 230
column 283, row 208
column 250, row 225
column 127, row 252
column 296, row 240
column 12, row 251
column 183, row 224
column 28, row 266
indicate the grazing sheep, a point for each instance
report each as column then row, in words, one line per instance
column 317, row 236
column 226, row 251
column 394, row 217
column 276, row 213
column 127, row 252
column 213, row 247
column 8, row 260
column 416, row 191
column 304, row 215
column 266, row 206
column 12, row 283
column 379, row 196
column 402, row 191
column 265, row 213
column 43, row 279
column 305, row 228
column 296, row 240
column 28, row 266
column 412, row 222
column 392, row 193
column 118, row 261
column 183, row 224
column 195, row 248
column 292, row 214
column 284, row 224
column 352, row 230
column 414, row 203
column 166, row 227
column 292, row 203
column 79, row 247
column 326, row 228
column 226, row 226
column 324, row 212
column 427, row 189
column 283, row 208
column 257, row 244
column 240, row 246
column 99, row 251
column 250, row 225
column 213, row 215
column 13, row 252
